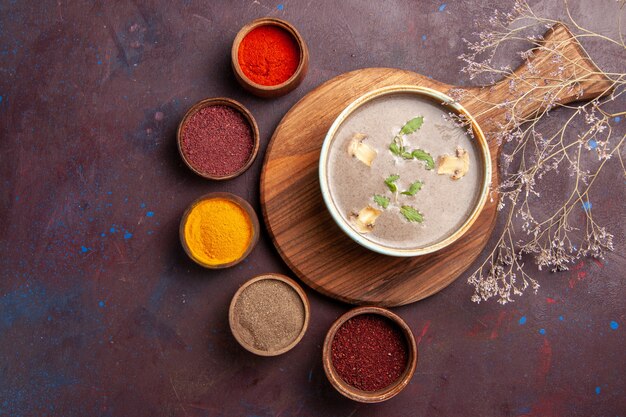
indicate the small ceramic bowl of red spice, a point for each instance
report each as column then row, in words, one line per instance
column 369, row 354
column 218, row 138
column 269, row 57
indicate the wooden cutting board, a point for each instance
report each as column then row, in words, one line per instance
column 306, row 236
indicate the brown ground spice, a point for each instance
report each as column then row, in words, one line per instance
column 269, row 315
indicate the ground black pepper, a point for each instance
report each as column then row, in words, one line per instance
column 269, row 315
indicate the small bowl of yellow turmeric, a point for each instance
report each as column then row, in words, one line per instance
column 219, row 230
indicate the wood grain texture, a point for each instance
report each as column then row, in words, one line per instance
column 313, row 245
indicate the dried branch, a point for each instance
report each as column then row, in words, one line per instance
column 556, row 239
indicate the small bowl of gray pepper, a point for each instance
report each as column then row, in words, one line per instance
column 269, row 314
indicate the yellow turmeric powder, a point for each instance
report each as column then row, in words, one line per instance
column 218, row 231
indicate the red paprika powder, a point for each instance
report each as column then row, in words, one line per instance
column 369, row 352
column 268, row 55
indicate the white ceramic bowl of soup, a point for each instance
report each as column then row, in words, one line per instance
column 447, row 204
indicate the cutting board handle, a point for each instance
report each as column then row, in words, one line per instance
column 560, row 72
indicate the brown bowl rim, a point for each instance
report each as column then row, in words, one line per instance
column 369, row 396
column 283, row 24
column 217, row 101
column 254, row 219
column 278, row 277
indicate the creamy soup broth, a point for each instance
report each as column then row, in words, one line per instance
column 444, row 203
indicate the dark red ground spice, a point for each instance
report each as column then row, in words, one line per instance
column 369, row 352
column 217, row 140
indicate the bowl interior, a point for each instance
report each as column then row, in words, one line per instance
column 234, row 327
column 289, row 28
column 370, row 396
column 443, row 225
column 220, row 101
column 241, row 203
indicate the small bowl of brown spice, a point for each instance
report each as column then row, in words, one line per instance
column 218, row 138
column 269, row 314
column 369, row 354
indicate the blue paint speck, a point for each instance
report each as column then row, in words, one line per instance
column 112, row 230
column 542, row 331
column 150, row 213
column 522, row 320
column 617, row 119
column 280, row 6
column 442, row 7
column 592, row 143
column 103, row 234
column 142, row 205
column 424, row 37
column 109, row 192
column 561, row 318
column 597, row 390
column 84, row 249
column 127, row 235
column 614, row 325
column 587, row 205
column 17, row 198
column 0, row 99
column 101, row 303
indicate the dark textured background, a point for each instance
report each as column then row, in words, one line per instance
column 101, row 312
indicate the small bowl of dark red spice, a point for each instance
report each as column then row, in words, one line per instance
column 269, row 57
column 269, row 314
column 369, row 354
column 218, row 138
